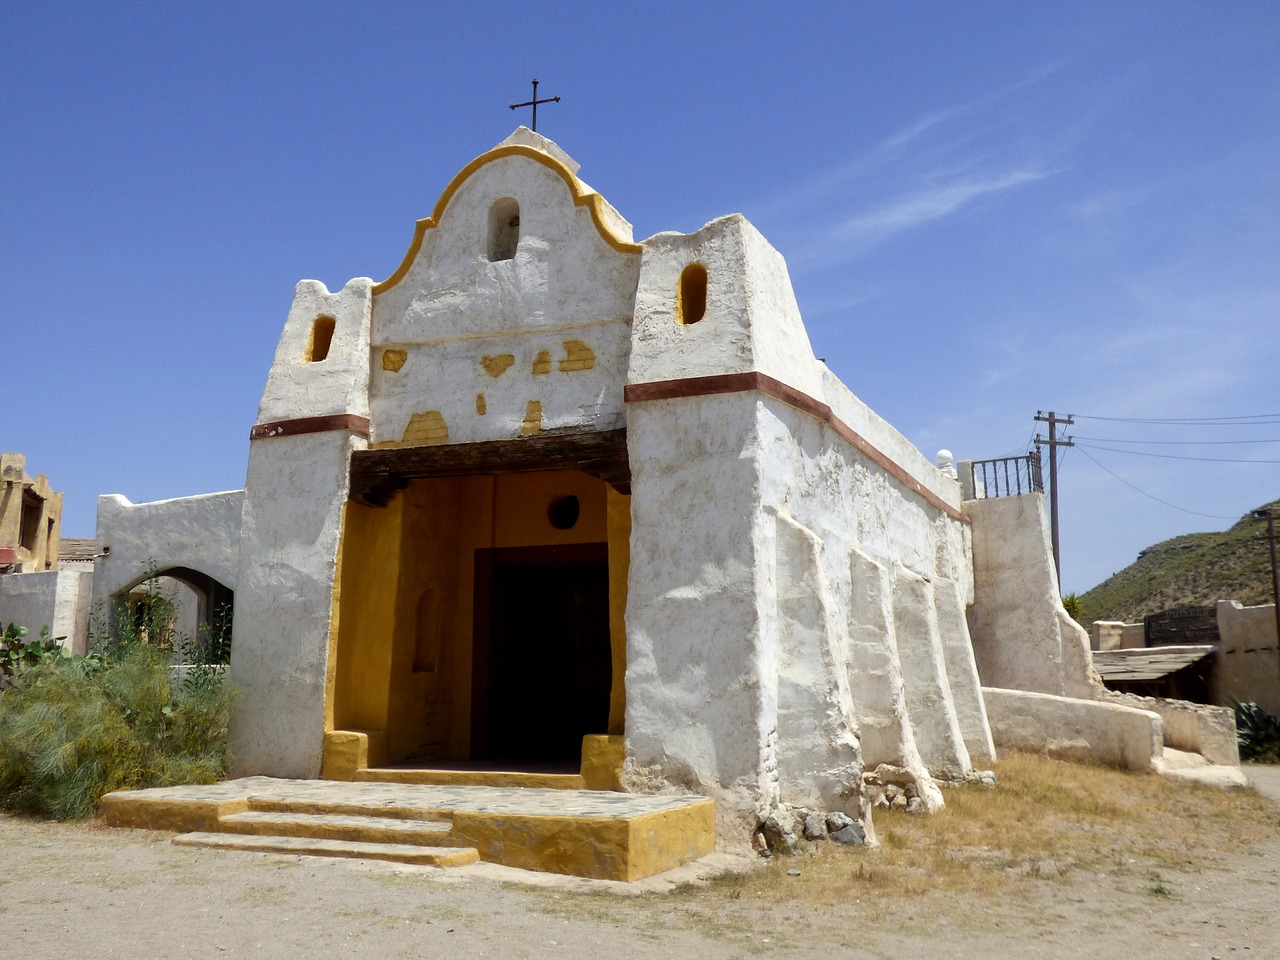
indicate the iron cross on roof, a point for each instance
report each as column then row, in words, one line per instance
column 534, row 103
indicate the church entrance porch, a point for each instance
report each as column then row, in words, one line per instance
column 478, row 632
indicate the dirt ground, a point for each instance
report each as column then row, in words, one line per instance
column 70, row 891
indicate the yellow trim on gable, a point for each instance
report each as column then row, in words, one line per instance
column 592, row 201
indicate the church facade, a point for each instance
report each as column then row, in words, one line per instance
column 548, row 497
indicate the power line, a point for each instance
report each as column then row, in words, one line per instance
column 1197, row 513
column 1172, row 456
column 1175, row 443
column 1256, row 419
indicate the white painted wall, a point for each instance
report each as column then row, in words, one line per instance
column 1023, row 638
column 57, row 599
column 290, row 529
column 455, row 315
column 831, row 644
column 1073, row 729
column 200, row 533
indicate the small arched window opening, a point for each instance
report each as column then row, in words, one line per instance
column 321, row 337
column 504, row 228
column 691, row 294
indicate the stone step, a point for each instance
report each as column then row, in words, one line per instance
column 313, row 847
column 338, row 826
column 424, row 776
column 585, row 833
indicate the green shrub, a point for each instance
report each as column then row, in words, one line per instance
column 73, row 729
column 17, row 652
column 1257, row 733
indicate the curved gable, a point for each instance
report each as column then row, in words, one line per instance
column 511, row 313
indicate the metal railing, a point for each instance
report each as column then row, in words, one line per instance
column 1005, row 477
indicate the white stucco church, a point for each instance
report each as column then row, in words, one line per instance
column 552, row 502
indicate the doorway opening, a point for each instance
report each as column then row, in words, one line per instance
column 542, row 662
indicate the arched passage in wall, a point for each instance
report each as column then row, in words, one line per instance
column 188, row 608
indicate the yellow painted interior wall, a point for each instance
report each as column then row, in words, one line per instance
column 370, row 553
column 405, row 598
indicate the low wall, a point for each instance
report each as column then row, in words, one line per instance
column 1248, row 668
column 1070, row 729
column 57, row 599
column 1193, row 727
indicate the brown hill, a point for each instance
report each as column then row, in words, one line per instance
column 1196, row 569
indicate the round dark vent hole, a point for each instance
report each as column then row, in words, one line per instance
column 564, row 512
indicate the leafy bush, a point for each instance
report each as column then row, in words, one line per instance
column 74, row 729
column 1257, row 733
column 17, row 652
column 123, row 717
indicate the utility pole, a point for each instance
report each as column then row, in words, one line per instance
column 1266, row 514
column 1053, row 443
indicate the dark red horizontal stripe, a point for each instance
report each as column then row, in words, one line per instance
column 301, row 425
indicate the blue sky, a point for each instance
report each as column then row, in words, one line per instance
column 987, row 209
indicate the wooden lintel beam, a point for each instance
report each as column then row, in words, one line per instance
column 376, row 475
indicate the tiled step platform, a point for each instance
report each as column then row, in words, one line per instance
column 585, row 833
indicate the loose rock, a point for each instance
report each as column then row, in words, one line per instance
column 815, row 826
column 780, row 835
column 851, row 833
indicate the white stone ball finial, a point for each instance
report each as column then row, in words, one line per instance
column 945, row 462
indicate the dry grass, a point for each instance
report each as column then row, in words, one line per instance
column 1045, row 820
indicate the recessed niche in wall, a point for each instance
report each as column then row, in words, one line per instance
column 691, row 294
column 563, row 512
column 321, row 337
column 504, row 228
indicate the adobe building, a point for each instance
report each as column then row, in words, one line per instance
column 38, row 590
column 30, row 514
column 551, row 507
column 545, row 483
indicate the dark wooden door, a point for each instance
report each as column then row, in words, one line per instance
column 542, row 664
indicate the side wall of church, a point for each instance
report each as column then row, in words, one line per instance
column 795, row 602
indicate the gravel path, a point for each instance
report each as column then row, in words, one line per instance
column 85, row 891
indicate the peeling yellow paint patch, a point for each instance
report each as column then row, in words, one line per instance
column 393, row 360
column 532, row 425
column 480, row 404
column 427, row 429
column 496, row 366
column 577, row 356
column 542, row 362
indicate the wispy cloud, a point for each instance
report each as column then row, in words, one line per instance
column 930, row 168
column 925, row 204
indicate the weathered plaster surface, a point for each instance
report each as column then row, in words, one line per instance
column 1074, row 729
column 340, row 382
column 196, row 533
column 1023, row 638
column 295, row 490
column 57, row 599
column 836, row 649
column 1248, row 665
column 1193, row 727
column 547, row 327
